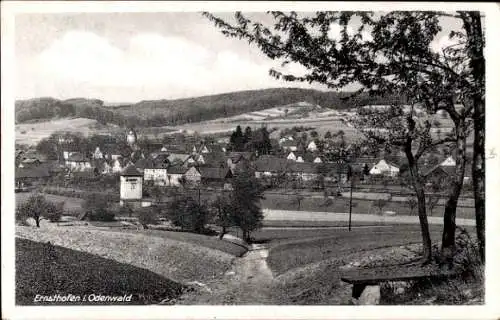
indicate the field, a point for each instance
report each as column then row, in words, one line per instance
column 32, row 133
column 176, row 260
column 341, row 205
column 302, row 247
column 71, row 205
column 197, row 239
column 45, row 269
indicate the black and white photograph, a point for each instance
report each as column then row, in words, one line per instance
column 294, row 154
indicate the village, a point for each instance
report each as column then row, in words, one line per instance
column 329, row 158
column 297, row 163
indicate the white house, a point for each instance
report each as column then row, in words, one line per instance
column 117, row 165
column 291, row 156
column 318, row 160
column 192, row 175
column 299, row 159
column 448, row 162
column 156, row 173
column 98, row 153
column 175, row 175
column 385, row 168
column 130, row 185
column 204, row 149
column 77, row 162
column 312, row 146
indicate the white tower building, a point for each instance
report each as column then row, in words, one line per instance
column 131, row 186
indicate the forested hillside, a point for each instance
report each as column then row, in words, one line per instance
column 174, row 112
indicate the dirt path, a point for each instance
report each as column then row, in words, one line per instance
column 248, row 282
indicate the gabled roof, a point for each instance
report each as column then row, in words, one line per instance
column 78, row 157
column 303, row 167
column 34, row 172
column 214, row 158
column 131, row 171
column 214, row 173
column 181, row 157
column 271, row 164
column 237, row 156
column 177, row 170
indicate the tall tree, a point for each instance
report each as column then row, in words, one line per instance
column 236, row 140
column 387, row 53
column 246, row 196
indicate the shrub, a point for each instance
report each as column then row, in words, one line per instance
column 147, row 215
column 98, row 208
column 37, row 207
column 54, row 211
column 188, row 214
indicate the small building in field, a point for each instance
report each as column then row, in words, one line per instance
column 131, row 186
column 385, row 167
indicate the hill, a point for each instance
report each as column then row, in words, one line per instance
column 156, row 113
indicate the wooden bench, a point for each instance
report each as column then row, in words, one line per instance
column 360, row 278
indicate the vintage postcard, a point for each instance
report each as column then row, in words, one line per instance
column 270, row 160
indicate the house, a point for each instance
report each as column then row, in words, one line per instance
column 29, row 163
column 97, row 154
column 101, row 166
column 442, row 173
column 154, row 170
column 289, row 145
column 215, row 176
column 312, row 146
column 117, row 165
column 181, row 159
column 31, row 176
column 78, row 162
column 317, row 159
column 385, row 167
column 204, row 149
column 215, row 159
column 334, row 172
column 239, row 160
column 268, row 166
column 448, row 162
column 304, row 171
column 292, row 156
column 131, row 186
column 193, row 175
column 175, row 175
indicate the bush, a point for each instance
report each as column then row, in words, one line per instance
column 98, row 208
column 37, row 207
column 147, row 215
column 188, row 214
column 54, row 211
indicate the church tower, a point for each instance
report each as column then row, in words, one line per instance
column 131, row 137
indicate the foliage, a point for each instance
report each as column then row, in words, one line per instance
column 98, row 207
column 188, row 214
column 146, row 216
column 246, row 196
column 37, row 207
column 432, row 202
column 224, row 213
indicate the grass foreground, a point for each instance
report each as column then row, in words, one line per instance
column 46, row 270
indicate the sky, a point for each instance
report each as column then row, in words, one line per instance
column 129, row 57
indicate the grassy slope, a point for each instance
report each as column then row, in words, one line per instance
column 197, row 239
column 298, row 248
column 47, row 270
column 179, row 261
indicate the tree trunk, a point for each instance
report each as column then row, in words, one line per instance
column 37, row 221
column 422, row 213
column 477, row 64
column 450, row 210
column 223, row 232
